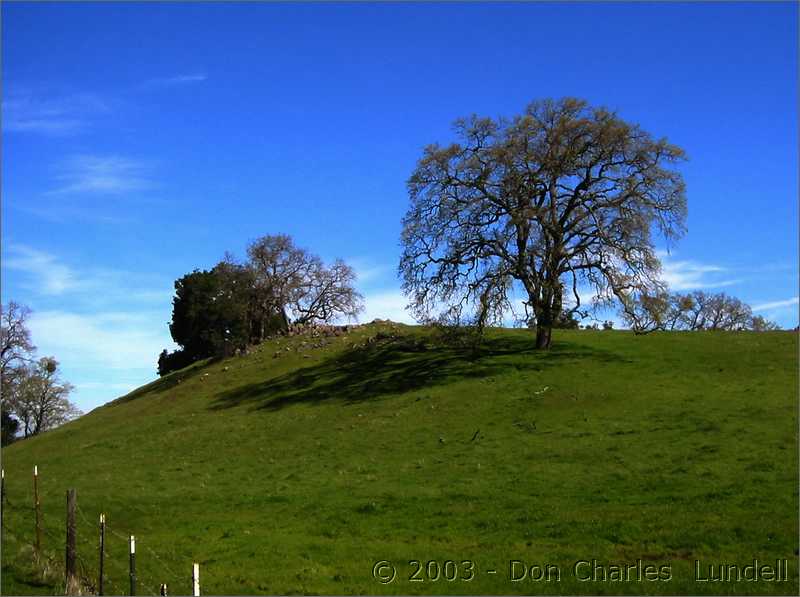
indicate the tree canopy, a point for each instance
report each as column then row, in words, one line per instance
column 563, row 196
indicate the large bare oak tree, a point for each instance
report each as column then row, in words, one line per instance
column 561, row 197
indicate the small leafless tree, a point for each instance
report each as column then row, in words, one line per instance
column 723, row 312
column 16, row 350
column 677, row 306
column 40, row 401
column 762, row 324
column 692, row 312
column 15, row 340
column 295, row 283
column 280, row 268
column 650, row 311
column 326, row 294
column 563, row 196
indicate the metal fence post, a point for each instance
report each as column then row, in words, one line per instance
column 195, row 580
column 133, row 565
column 102, row 553
column 71, row 552
column 37, row 506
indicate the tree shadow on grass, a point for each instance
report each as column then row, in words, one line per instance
column 399, row 365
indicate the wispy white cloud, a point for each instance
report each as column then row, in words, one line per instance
column 48, row 275
column 691, row 275
column 28, row 113
column 60, row 212
column 174, row 80
column 367, row 271
column 101, row 341
column 775, row 305
column 102, row 174
column 105, row 326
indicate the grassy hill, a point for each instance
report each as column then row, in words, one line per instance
column 296, row 468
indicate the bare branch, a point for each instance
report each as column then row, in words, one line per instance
column 563, row 193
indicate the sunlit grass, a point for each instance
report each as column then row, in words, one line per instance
column 297, row 473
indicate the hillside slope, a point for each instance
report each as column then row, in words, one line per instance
column 296, row 468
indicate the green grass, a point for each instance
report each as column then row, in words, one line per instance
column 297, row 473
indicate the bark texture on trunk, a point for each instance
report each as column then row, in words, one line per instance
column 546, row 315
column 543, row 336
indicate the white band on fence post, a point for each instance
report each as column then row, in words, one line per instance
column 133, row 544
column 195, row 580
column 35, row 470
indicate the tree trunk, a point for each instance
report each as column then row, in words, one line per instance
column 547, row 309
column 543, row 336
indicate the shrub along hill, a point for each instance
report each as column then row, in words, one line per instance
column 299, row 466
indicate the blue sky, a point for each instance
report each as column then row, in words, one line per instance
column 141, row 141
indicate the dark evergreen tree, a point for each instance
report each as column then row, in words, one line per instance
column 9, row 426
column 172, row 361
column 214, row 313
column 209, row 314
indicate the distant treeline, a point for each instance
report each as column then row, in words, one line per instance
column 695, row 311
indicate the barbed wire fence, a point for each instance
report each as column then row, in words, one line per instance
column 154, row 578
column 43, row 559
column 166, row 574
